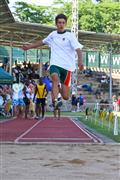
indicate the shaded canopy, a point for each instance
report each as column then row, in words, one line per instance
column 20, row 33
column 5, row 77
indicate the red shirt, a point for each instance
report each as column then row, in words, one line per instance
column 118, row 101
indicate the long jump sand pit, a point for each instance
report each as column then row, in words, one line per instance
column 60, row 162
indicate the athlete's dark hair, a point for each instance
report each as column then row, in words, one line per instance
column 60, row 16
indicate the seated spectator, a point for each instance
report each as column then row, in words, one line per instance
column 87, row 87
column 88, row 72
column 104, row 79
column 98, row 93
column 79, row 86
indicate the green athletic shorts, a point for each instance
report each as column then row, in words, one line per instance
column 64, row 75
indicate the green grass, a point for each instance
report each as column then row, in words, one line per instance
column 76, row 114
column 102, row 129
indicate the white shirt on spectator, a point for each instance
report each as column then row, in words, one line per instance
column 63, row 48
column 20, row 94
column 1, row 101
column 15, row 96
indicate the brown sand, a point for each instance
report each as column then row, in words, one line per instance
column 60, row 162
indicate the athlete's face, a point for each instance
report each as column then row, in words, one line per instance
column 61, row 23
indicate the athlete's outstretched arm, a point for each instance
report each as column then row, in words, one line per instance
column 80, row 61
column 33, row 45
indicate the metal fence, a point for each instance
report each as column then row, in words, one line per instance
column 106, row 115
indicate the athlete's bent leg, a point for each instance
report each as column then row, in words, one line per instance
column 65, row 91
column 55, row 89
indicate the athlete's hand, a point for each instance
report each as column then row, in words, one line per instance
column 81, row 66
column 26, row 47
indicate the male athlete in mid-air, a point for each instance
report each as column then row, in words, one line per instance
column 64, row 46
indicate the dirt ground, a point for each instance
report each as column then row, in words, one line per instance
column 60, row 162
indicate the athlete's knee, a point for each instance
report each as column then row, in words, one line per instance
column 65, row 92
column 65, row 96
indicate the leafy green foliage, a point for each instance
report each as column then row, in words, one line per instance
column 103, row 16
column 32, row 13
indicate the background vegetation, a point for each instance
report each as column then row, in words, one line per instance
column 103, row 16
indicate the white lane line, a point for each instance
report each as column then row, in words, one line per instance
column 26, row 132
column 94, row 136
column 55, row 138
column 91, row 137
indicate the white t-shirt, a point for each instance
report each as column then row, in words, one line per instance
column 1, row 101
column 15, row 96
column 20, row 94
column 63, row 48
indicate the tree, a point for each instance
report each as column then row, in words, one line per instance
column 32, row 13
column 98, row 17
column 65, row 7
column 102, row 17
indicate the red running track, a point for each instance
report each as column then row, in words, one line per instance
column 47, row 130
column 10, row 130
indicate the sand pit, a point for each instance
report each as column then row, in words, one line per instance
column 60, row 162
